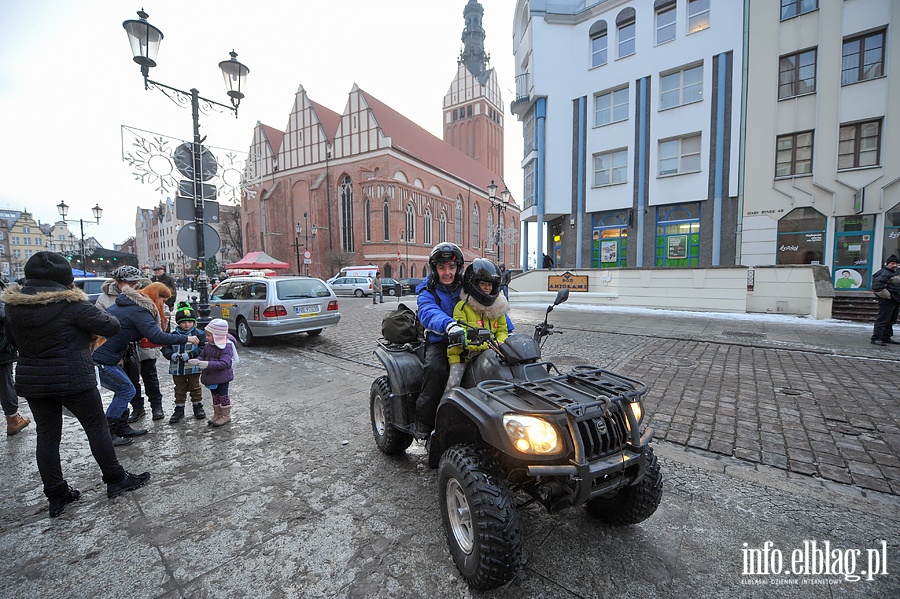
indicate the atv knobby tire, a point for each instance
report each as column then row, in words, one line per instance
column 480, row 517
column 632, row 504
column 389, row 439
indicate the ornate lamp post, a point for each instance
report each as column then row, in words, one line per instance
column 145, row 40
column 64, row 211
column 501, row 204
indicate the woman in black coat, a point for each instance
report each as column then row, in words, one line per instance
column 53, row 324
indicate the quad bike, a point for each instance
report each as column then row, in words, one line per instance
column 517, row 431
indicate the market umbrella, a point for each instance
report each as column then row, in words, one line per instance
column 258, row 261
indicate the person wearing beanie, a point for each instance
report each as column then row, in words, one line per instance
column 53, row 325
column 185, row 377
column 138, row 316
column 15, row 422
column 887, row 291
column 216, row 360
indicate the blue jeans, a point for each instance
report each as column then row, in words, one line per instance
column 115, row 379
column 379, row 294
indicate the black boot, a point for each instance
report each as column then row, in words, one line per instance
column 129, row 482
column 136, row 415
column 125, row 429
column 199, row 414
column 158, row 413
column 178, row 414
column 117, row 440
column 58, row 503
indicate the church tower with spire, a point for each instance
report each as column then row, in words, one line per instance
column 473, row 106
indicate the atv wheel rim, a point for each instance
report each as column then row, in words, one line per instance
column 460, row 517
column 379, row 417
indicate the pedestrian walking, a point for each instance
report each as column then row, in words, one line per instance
column 185, row 377
column 160, row 276
column 505, row 278
column 887, row 290
column 377, row 288
column 216, row 361
column 54, row 325
column 9, row 400
column 137, row 315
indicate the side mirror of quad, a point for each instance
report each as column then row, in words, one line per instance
column 561, row 296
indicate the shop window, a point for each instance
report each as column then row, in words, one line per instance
column 609, row 245
column 801, row 237
column 678, row 235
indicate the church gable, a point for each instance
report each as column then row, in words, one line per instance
column 358, row 131
column 306, row 138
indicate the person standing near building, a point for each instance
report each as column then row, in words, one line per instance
column 160, row 276
column 8, row 398
column 54, row 326
column 505, row 278
column 377, row 288
column 887, row 291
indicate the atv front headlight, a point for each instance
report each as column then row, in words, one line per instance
column 638, row 410
column 530, row 434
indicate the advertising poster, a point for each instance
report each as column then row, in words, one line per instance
column 609, row 251
column 677, row 246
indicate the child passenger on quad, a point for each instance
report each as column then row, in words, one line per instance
column 482, row 306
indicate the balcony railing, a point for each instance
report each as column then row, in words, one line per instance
column 523, row 85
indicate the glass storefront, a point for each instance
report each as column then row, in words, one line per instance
column 851, row 268
column 609, row 243
column 801, row 237
column 678, row 235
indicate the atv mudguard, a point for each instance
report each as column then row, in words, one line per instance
column 404, row 367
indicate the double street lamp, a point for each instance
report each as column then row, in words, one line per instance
column 405, row 235
column 64, row 211
column 298, row 228
column 145, row 40
column 501, row 203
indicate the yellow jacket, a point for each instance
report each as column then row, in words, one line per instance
column 491, row 317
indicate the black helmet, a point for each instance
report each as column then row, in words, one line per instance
column 482, row 269
column 446, row 252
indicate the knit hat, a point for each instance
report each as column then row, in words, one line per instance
column 49, row 266
column 127, row 273
column 183, row 312
column 219, row 330
column 891, row 258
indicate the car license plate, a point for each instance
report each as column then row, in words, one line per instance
column 306, row 310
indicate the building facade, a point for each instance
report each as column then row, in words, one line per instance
column 631, row 121
column 369, row 186
column 820, row 185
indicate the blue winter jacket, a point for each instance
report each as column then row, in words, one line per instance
column 180, row 367
column 136, row 314
column 436, row 310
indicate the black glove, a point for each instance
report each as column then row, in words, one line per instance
column 456, row 334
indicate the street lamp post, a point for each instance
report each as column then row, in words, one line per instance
column 405, row 235
column 306, row 238
column 501, row 204
column 298, row 228
column 145, row 40
column 64, row 211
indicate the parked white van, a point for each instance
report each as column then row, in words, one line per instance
column 355, row 271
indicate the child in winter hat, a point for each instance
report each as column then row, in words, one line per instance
column 185, row 376
column 216, row 360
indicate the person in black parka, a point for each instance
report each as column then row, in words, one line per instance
column 53, row 325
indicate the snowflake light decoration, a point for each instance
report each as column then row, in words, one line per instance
column 152, row 161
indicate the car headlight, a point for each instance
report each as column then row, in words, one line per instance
column 530, row 434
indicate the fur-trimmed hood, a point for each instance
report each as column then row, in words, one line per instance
column 494, row 311
column 131, row 296
column 44, row 294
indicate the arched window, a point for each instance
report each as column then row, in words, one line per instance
column 801, row 237
column 346, row 198
column 410, row 223
column 609, row 246
column 491, row 235
column 625, row 26
column 442, row 227
column 476, row 239
column 598, row 43
column 429, row 227
column 459, row 223
column 386, row 212
column 368, row 220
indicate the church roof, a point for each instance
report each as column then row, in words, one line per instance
column 328, row 118
column 406, row 136
column 274, row 136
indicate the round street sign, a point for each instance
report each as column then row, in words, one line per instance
column 398, row 256
column 307, row 255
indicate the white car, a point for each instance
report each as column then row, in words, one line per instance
column 358, row 286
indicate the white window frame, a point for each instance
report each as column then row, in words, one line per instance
column 697, row 9
column 682, row 89
column 668, row 27
column 673, row 149
column 611, row 104
column 625, row 41
column 600, row 56
column 615, row 171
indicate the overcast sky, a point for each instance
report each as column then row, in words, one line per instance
column 68, row 84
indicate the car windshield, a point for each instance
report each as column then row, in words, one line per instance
column 301, row 288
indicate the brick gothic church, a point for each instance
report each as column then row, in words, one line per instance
column 369, row 186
